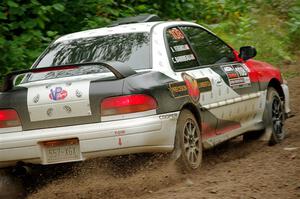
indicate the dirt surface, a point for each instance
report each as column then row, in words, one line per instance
column 234, row 169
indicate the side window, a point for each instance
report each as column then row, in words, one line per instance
column 182, row 57
column 209, row 48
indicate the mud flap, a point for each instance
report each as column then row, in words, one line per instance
column 267, row 119
column 176, row 153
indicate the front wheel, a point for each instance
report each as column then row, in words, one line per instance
column 188, row 141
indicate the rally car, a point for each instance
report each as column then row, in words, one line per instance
column 139, row 85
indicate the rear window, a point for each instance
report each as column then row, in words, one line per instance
column 132, row 49
column 103, row 72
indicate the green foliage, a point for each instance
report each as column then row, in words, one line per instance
column 272, row 27
column 28, row 26
column 23, row 33
column 294, row 24
column 290, row 74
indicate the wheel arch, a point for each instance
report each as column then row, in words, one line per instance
column 275, row 83
column 195, row 111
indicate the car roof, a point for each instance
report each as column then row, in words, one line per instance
column 122, row 28
column 125, row 28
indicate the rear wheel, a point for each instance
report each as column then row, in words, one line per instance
column 276, row 116
column 188, row 141
column 10, row 185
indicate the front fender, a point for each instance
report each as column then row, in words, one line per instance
column 264, row 72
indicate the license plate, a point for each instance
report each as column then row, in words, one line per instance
column 56, row 151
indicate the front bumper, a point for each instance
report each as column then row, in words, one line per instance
column 144, row 134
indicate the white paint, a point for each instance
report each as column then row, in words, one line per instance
column 233, row 100
column 10, row 129
column 47, row 109
column 144, row 134
column 128, row 116
column 126, row 28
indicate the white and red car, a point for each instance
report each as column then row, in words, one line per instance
column 140, row 85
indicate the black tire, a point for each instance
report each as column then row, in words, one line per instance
column 276, row 117
column 188, row 141
column 10, row 186
column 252, row 135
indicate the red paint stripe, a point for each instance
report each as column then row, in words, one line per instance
column 207, row 131
column 227, row 128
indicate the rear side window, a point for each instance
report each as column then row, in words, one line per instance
column 209, row 48
column 182, row 56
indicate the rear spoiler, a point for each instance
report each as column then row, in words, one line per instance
column 117, row 68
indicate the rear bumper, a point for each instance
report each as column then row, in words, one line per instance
column 145, row 134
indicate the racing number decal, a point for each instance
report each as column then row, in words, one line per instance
column 176, row 33
column 190, row 87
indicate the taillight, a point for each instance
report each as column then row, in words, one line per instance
column 127, row 104
column 9, row 118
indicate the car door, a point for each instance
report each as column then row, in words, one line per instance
column 199, row 53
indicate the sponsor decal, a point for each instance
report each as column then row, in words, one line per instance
column 183, row 58
column 36, row 99
column 68, row 109
column 58, row 94
column 49, row 112
column 78, row 93
column 241, row 71
column 179, row 48
column 176, row 34
column 190, row 87
column 228, row 69
column 204, row 84
column 169, row 116
column 232, row 75
column 237, row 75
column 237, row 81
column 178, row 89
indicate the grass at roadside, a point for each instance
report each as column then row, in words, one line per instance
column 272, row 30
column 290, row 74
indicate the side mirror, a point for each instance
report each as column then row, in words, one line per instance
column 247, row 52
